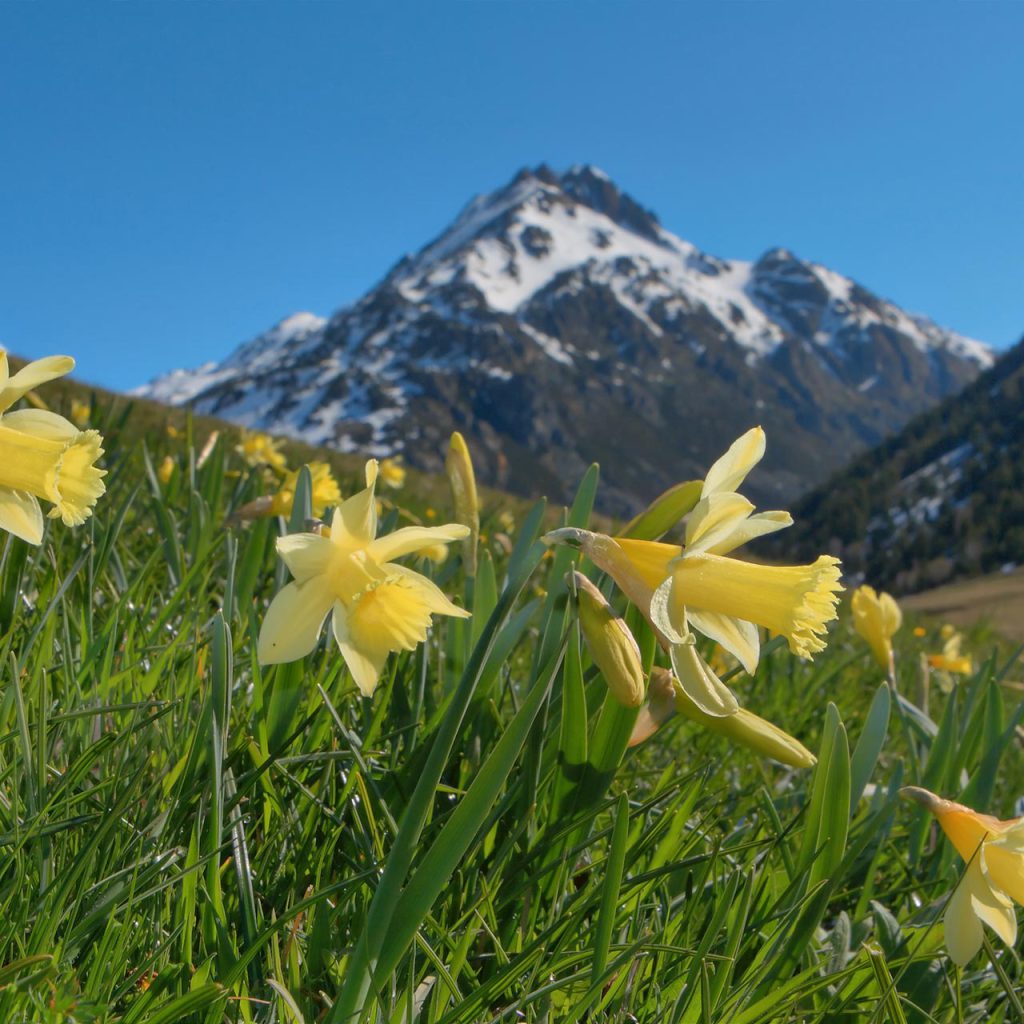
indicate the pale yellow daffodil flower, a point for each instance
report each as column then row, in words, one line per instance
column 994, row 853
column 694, row 585
column 392, row 472
column 876, row 617
column 44, row 456
column 378, row 606
column 260, row 449
column 324, row 494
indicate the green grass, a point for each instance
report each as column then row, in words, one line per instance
column 186, row 836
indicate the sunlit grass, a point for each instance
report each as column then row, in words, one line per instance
column 186, row 836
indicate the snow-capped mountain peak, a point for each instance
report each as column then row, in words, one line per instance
column 560, row 286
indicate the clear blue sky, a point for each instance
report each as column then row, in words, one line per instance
column 179, row 176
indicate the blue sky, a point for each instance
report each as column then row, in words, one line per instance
column 178, row 177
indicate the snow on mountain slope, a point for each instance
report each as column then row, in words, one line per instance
column 563, row 284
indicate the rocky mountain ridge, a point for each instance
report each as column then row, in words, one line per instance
column 556, row 322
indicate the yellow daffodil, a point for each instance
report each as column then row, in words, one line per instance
column 610, row 642
column 876, row 617
column 325, row 491
column 920, row 631
column 261, row 450
column 80, row 412
column 951, row 659
column 994, row 853
column 695, row 585
column 166, row 470
column 377, row 606
column 459, row 467
column 44, row 456
column 392, row 472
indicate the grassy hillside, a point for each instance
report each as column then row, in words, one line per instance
column 188, row 835
column 942, row 500
column 997, row 599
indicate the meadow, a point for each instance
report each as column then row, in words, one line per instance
column 187, row 834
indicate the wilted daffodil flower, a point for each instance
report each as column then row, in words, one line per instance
column 876, row 617
column 667, row 697
column 378, row 606
column 694, row 585
column 261, row 450
column 392, row 472
column 44, row 456
column 994, row 878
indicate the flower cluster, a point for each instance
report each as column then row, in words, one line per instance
column 696, row 586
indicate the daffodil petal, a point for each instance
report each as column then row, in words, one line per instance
column 293, row 620
column 962, row 926
column 21, row 515
column 364, row 667
column 700, row 683
column 414, row 538
column 42, row 423
column 668, row 613
column 732, row 468
column 433, row 596
column 738, row 637
column 715, row 518
column 1004, row 862
column 747, row 529
column 355, row 520
column 32, row 375
column 305, row 554
column 892, row 617
column 5, row 372
column 992, row 906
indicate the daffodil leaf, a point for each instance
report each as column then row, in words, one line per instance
column 869, row 745
column 664, row 512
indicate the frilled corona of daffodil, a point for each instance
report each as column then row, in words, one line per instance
column 994, row 853
column 43, row 456
column 695, row 586
column 877, row 617
column 378, row 606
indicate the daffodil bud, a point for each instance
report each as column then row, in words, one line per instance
column 611, row 644
column 459, row 467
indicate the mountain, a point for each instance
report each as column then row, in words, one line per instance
column 942, row 500
column 556, row 323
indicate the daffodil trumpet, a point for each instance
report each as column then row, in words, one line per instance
column 44, row 456
column 694, row 586
column 376, row 605
column 993, row 851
